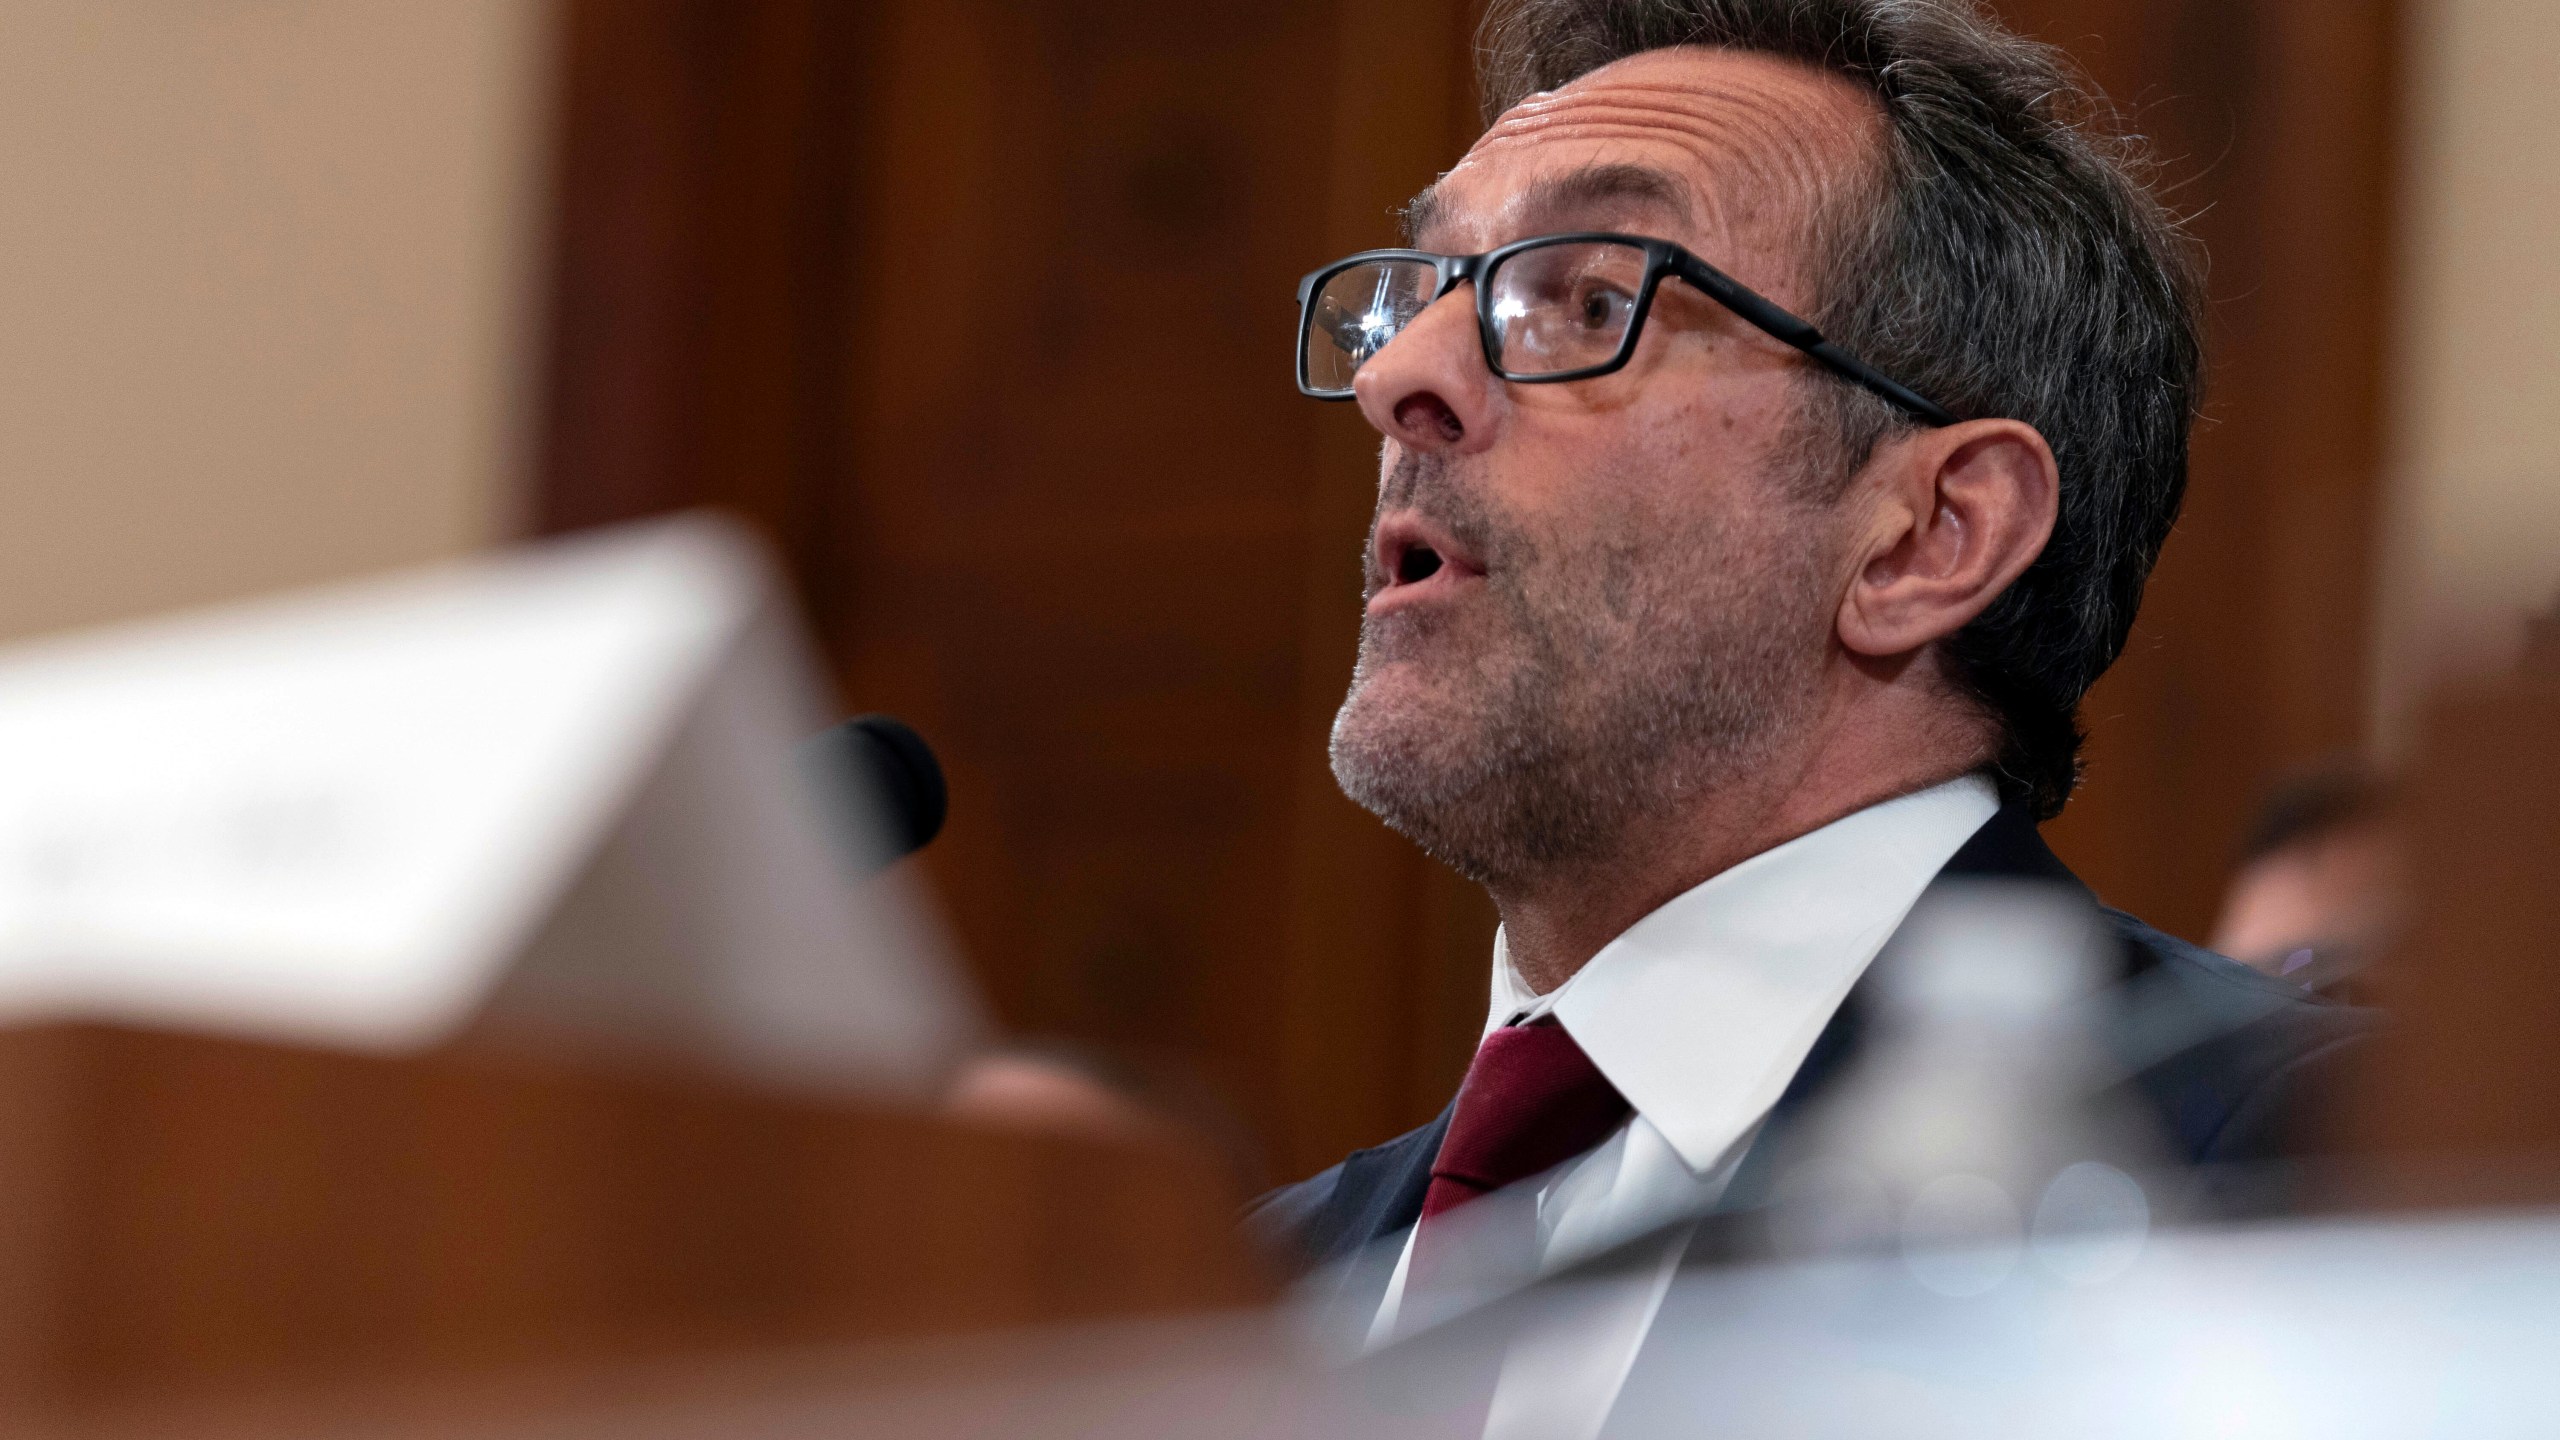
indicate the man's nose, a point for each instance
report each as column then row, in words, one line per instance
column 1428, row 388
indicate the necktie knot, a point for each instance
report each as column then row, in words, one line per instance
column 1531, row 1101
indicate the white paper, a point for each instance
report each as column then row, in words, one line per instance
column 346, row 817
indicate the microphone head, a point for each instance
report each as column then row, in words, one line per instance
column 881, row 769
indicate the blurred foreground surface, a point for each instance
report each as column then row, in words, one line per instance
column 2344, row 1328
column 455, row 974
column 663, row 1155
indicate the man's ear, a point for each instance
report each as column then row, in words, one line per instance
column 1954, row 515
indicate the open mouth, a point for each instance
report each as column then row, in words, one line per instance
column 1418, row 563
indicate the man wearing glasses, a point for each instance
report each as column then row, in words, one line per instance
column 1784, row 403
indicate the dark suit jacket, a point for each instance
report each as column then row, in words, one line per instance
column 2243, row 1048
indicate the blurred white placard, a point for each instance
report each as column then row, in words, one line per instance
column 553, row 789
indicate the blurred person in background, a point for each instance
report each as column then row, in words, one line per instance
column 1069, row 1088
column 2541, row 657
column 1707, row 640
column 1058, row 1088
column 2320, row 890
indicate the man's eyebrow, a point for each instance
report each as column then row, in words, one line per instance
column 1546, row 202
column 1419, row 212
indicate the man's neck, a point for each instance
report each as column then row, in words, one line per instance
column 1554, row 925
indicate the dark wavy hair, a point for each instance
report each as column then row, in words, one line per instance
column 2004, row 256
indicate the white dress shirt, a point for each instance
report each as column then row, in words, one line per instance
column 1702, row 1011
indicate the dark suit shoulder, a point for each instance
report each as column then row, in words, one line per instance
column 2217, row 979
column 1372, row 1194
column 1281, row 1218
column 2223, row 1051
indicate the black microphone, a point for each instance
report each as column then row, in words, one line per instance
column 878, row 774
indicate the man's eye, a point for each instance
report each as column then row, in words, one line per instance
column 1603, row 307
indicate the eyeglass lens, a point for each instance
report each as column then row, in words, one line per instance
column 1356, row 313
column 1559, row 308
column 1556, row 309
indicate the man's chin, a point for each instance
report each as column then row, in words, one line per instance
column 1420, row 785
column 1401, row 747
column 1399, row 713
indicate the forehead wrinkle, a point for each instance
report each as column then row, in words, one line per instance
column 1604, row 186
column 1759, row 137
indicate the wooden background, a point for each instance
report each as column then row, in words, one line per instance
column 982, row 308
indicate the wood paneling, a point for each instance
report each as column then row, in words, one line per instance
column 1093, row 512
column 2455, row 1103
column 191, row 1217
column 707, row 163
column 983, row 308
column 1388, row 951
column 2274, row 122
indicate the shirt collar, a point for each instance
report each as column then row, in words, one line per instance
column 1702, row 1011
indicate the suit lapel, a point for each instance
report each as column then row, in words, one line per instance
column 1381, row 1189
column 1377, row 1194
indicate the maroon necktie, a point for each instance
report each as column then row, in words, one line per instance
column 1532, row 1100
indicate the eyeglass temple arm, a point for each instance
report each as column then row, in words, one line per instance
column 1788, row 328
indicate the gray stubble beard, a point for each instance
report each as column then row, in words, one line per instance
column 1620, row 683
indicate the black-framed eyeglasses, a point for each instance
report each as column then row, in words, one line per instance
column 1548, row 309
